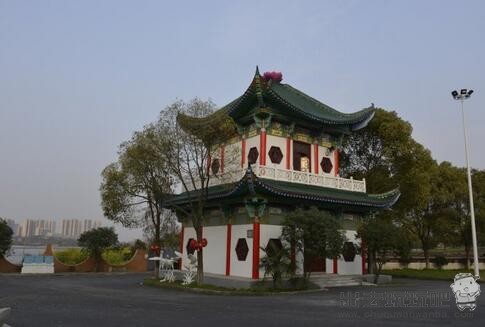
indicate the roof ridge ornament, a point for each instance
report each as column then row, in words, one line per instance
column 274, row 77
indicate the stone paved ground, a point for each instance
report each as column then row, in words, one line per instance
column 120, row 300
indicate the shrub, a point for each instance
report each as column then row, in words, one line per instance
column 118, row 256
column 440, row 261
column 276, row 262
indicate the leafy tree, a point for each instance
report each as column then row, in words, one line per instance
column 315, row 233
column 455, row 223
column 387, row 156
column 95, row 241
column 188, row 151
column 139, row 244
column 5, row 237
column 478, row 182
column 276, row 262
column 134, row 187
column 380, row 236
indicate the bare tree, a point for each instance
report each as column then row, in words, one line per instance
column 196, row 134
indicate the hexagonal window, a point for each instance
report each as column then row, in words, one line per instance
column 349, row 251
column 190, row 250
column 253, row 155
column 242, row 249
column 326, row 165
column 215, row 166
column 273, row 247
column 275, row 154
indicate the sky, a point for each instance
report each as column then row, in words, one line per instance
column 77, row 78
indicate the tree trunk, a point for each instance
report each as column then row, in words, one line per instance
column 157, row 242
column 426, row 257
column 200, row 260
column 467, row 257
column 371, row 261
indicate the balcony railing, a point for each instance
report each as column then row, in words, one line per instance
column 294, row 176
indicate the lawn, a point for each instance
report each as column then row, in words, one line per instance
column 212, row 289
column 437, row 274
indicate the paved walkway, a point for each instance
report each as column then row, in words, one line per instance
column 120, row 300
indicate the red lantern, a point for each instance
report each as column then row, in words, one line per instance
column 155, row 248
column 204, row 242
column 193, row 244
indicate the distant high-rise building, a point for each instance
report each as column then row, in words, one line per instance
column 45, row 227
column 72, row 228
column 28, row 228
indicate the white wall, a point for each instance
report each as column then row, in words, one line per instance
column 241, row 268
column 354, row 267
column 215, row 251
column 232, row 157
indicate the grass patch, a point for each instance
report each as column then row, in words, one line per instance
column 72, row 256
column 213, row 289
column 431, row 274
column 118, row 256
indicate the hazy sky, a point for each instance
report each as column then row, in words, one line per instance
column 78, row 77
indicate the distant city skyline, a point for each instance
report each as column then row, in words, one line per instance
column 69, row 228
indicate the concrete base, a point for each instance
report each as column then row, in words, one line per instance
column 382, row 279
column 316, row 280
column 38, row 269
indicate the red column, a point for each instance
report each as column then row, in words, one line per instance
column 336, row 161
column 335, row 265
column 315, row 158
column 288, row 153
column 256, row 250
column 228, row 249
column 364, row 258
column 181, row 245
column 243, row 152
column 222, row 159
column 262, row 147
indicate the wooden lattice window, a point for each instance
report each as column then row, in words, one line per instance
column 242, row 249
column 215, row 166
column 253, row 155
column 326, row 165
column 349, row 251
column 275, row 154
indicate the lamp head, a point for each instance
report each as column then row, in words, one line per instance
column 463, row 91
column 454, row 94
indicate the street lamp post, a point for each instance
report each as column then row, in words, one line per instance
column 462, row 96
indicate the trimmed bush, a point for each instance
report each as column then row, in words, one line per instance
column 440, row 261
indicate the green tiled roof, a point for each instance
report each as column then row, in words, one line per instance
column 314, row 109
column 263, row 94
column 251, row 185
column 325, row 194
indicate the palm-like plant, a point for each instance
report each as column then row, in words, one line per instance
column 276, row 262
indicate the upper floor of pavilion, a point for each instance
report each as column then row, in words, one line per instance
column 285, row 134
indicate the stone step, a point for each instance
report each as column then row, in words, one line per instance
column 332, row 280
